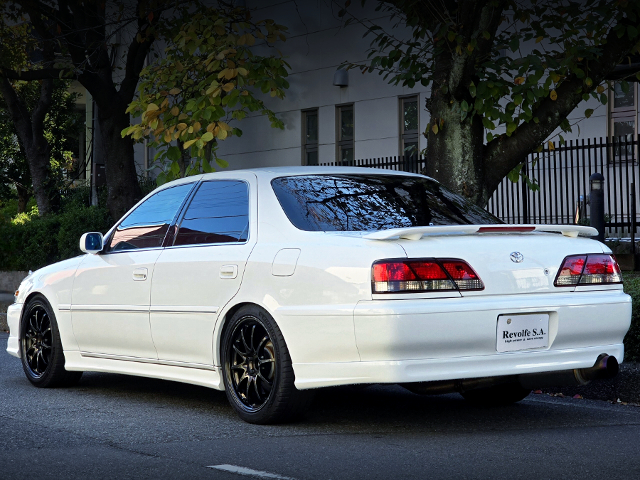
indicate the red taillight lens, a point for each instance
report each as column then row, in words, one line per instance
column 592, row 269
column 391, row 276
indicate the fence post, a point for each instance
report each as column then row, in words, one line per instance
column 525, row 194
column 596, row 197
column 633, row 222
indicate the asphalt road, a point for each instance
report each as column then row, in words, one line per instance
column 117, row 427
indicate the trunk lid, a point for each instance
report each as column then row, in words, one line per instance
column 541, row 255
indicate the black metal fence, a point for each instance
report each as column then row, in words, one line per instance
column 561, row 173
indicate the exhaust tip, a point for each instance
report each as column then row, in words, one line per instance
column 609, row 366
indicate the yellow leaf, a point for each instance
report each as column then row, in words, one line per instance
column 167, row 136
column 189, row 143
column 210, row 127
column 183, row 116
column 164, row 103
column 231, row 72
column 196, row 126
column 223, row 73
column 207, row 137
column 539, row 39
column 222, row 134
column 175, row 111
column 227, row 87
column 174, row 91
column 152, row 107
column 600, row 89
column 434, row 129
column 181, row 126
column 459, row 50
column 519, row 80
column 154, row 124
column 553, row 95
column 190, row 130
column 224, row 126
column 551, row 145
column 243, row 71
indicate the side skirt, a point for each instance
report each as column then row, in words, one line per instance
column 203, row 375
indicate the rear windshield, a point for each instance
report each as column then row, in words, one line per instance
column 372, row 202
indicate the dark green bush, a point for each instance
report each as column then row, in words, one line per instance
column 29, row 242
column 632, row 340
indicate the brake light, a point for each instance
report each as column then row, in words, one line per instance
column 424, row 275
column 592, row 269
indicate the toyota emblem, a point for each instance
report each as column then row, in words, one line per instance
column 516, row 257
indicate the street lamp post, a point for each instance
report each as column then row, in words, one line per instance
column 596, row 200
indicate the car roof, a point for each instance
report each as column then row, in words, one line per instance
column 268, row 173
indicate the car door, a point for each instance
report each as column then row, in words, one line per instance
column 111, row 291
column 202, row 270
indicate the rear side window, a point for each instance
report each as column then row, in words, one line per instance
column 218, row 213
column 147, row 225
column 372, row 202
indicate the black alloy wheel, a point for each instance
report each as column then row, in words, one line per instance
column 41, row 348
column 252, row 363
column 37, row 343
column 257, row 370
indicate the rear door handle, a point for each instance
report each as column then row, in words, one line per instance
column 140, row 274
column 228, row 271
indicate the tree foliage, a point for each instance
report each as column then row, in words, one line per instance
column 504, row 74
column 209, row 76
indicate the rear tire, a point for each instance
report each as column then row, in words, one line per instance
column 40, row 347
column 257, row 371
column 496, row 395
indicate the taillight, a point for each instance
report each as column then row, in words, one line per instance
column 592, row 269
column 424, row 275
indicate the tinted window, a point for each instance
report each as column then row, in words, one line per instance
column 147, row 225
column 372, row 202
column 218, row 213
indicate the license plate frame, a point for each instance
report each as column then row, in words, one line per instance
column 519, row 332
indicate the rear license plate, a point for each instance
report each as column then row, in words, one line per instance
column 522, row 332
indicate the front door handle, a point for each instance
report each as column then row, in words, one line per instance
column 228, row 271
column 140, row 274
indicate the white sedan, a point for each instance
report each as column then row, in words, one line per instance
column 270, row 283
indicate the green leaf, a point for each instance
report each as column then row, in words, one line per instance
column 222, row 163
column 173, row 153
column 207, row 137
column 588, row 112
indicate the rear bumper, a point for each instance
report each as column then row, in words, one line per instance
column 13, row 320
column 309, row 375
column 405, row 341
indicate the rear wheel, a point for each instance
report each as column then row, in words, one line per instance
column 496, row 395
column 41, row 348
column 257, row 371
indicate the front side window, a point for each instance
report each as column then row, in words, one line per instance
column 372, row 202
column 218, row 213
column 147, row 225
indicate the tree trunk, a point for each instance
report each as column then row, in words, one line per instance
column 23, row 198
column 455, row 153
column 123, row 190
column 30, row 129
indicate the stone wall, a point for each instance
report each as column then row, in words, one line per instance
column 9, row 283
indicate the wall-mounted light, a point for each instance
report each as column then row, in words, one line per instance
column 341, row 78
column 596, row 181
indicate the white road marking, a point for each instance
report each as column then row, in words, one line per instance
column 249, row 472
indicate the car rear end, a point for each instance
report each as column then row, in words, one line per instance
column 470, row 297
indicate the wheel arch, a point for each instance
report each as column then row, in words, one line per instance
column 224, row 319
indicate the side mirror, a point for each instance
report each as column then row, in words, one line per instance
column 91, row 242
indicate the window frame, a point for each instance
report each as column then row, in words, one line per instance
column 413, row 136
column 175, row 227
column 340, row 143
column 179, row 212
column 310, row 147
column 622, row 114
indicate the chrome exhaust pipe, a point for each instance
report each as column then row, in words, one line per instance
column 606, row 367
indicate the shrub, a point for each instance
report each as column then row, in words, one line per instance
column 29, row 242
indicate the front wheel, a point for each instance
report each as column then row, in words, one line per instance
column 257, row 371
column 40, row 346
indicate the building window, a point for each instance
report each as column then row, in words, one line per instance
column 623, row 119
column 345, row 137
column 310, row 137
column 409, row 126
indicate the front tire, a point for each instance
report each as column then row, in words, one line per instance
column 257, row 371
column 40, row 347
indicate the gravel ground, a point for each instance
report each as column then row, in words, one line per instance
column 625, row 387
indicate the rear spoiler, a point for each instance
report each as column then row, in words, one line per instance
column 416, row 233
